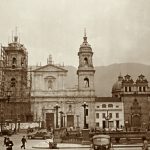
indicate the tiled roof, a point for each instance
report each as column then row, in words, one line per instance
column 107, row 99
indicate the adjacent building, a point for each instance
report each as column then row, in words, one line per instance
column 109, row 112
column 14, row 86
column 135, row 96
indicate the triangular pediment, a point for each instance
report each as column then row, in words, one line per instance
column 50, row 68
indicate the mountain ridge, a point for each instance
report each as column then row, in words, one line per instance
column 106, row 76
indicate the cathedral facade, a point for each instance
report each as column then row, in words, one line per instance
column 53, row 104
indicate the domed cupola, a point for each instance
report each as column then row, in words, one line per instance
column 116, row 89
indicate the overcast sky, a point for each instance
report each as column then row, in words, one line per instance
column 118, row 30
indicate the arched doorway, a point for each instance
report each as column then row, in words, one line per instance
column 136, row 115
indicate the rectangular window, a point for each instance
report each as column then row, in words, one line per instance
column 110, row 115
column 117, row 115
column 97, row 115
column 144, row 89
column 129, row 89
column 97, row 124
column 126, row 89
column 97, row 106
column 140, row 89
column 103, row 115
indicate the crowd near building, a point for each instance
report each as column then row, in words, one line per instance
column 38, row 93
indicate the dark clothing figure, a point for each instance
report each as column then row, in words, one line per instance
column 9, row 144
column 23, row 140
column 5, row 140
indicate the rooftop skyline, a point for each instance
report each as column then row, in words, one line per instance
column 117, row 30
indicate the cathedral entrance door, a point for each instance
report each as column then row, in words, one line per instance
column 49, row 120
column 136, row 121
column 70, row 120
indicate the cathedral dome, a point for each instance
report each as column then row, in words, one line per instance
column 117, row 85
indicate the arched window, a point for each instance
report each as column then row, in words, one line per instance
column 144, row 89
column 86, row 82
column 126, row 89
column 14, row 61
column 103, row 105
column 70, row 108
column 13, row 82
column 50, row 84
column 85, row 61
column 110, row 105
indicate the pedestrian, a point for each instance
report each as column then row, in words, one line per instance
column 5, row 140
column 9, row 144
column 145, row 143
column 23, row 140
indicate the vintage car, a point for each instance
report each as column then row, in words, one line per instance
column 101, row 142
column 7, row 132
column 42, row 134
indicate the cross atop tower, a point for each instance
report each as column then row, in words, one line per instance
column 85, row 37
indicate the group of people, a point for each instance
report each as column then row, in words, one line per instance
column 9, row 143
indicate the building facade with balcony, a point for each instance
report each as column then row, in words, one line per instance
column 109, row 112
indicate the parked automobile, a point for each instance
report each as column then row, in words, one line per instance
column 42, row 134
column 7, row 132
column 101, row 142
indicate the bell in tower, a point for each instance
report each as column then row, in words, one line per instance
column 85, row 70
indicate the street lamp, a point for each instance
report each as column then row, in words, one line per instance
column 107, row 118
column 1, row 119
column 84, row 106
column 57, row 107
column 64, row 120
column 61, row 119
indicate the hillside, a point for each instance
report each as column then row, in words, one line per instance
column 106, row 76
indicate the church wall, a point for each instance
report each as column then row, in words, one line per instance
column 68, row 105
column 41, row 80
column 143, row 102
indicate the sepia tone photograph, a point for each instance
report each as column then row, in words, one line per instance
column 75, row 74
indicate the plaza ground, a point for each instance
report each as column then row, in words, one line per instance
column 41, row 145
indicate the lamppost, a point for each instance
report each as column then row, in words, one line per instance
column 107, row 118
column 64, row 120
column 57, row 107
column 19, row 124
column 84, row 106
column 61, row 119
column 1, row 119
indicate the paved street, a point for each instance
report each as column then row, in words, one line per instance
column 41, row 145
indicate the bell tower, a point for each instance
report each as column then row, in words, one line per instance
column 86, row 69
column 16, row 68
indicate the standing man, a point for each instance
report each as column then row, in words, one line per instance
column 23, row 140
column 145, row 144
column 9, row 144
